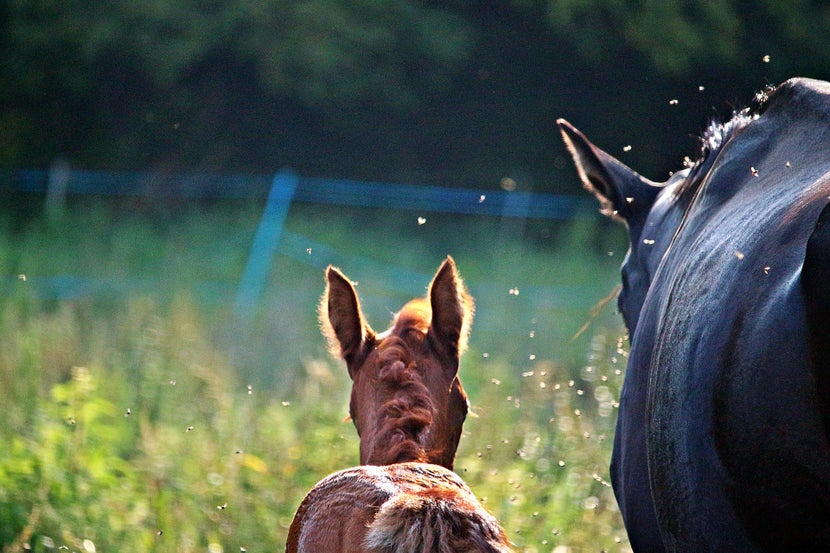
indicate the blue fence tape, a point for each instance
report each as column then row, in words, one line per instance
column 178, row 185
column 281, row 190
column 311, row 189
column 439, row 199
column 265, row 243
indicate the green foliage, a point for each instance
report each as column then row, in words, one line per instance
column 135, row 422
column 115, row 84
column 145, row 462
column 538, row 449
column 325, row 52
column 678, row 38
column 674, row 36
column 403, row 89
column 336, row 54
column 71, row 470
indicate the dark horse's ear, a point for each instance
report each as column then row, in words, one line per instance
column 452, row 310
column 621, row 191
column 341, row 319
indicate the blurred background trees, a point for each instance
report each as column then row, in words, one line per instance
column 453, row 93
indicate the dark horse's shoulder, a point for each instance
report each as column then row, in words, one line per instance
column 816, row 273
column 815, row 278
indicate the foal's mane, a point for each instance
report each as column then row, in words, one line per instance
column 402, row 420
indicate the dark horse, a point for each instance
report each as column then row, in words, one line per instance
column 722, row 436
column 408, row 407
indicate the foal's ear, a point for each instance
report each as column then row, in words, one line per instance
column 621, row 191
column 452, row 309
column 341, row 319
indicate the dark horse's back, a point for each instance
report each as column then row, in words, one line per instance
column 740, row 415
column 730, row 353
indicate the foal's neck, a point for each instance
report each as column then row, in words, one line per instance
column 403, row 422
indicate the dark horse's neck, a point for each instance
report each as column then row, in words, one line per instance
column 402, row 421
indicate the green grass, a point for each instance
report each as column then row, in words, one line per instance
column 147, row 417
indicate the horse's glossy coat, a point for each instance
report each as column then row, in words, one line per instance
column 408, row 407
column 722, row 436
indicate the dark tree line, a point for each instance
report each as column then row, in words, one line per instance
column 459, row 93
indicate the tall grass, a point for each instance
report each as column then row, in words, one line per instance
column 141, row 414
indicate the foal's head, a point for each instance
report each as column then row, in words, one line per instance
column 407, row 402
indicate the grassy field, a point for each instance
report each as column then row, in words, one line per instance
column 141, row 413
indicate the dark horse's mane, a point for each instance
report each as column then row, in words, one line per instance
column 717, row 134
column 403, row 418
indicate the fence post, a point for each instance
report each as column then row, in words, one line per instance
column 59, row 173
column 265, row 243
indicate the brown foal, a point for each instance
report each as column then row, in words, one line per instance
column 408, row 407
